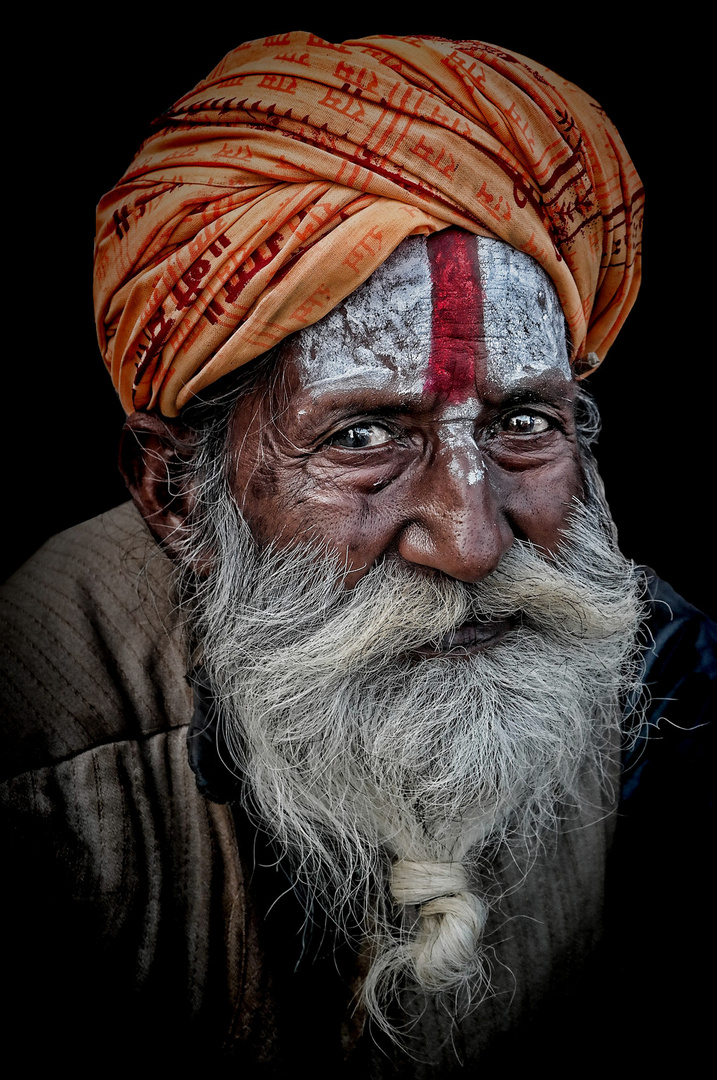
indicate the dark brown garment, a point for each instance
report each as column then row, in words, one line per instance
column 142, row 921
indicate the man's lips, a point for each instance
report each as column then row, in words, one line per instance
column 470, row 638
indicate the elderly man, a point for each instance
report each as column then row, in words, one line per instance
column 324, row 768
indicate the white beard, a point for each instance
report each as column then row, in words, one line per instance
column 384, row 776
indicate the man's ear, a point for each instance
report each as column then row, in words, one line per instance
column 151, row 462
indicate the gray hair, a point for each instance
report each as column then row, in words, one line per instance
column 357, row 848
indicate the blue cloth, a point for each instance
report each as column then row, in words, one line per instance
column 671, row 756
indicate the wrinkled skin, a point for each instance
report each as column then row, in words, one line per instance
column 374, row 452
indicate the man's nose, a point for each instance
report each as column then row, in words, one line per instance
column 456, row 523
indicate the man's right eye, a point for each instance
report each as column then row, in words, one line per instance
column 360, row 437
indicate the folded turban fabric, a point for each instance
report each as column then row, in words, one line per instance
column 276, row 187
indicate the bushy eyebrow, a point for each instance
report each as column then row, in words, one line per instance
column 530, row 396
column 352, row 403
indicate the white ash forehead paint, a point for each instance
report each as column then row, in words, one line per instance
column 524, row 325
column 464, row 458
column 457, row 439
column 381, row 332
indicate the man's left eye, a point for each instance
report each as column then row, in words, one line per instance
column 526, row 423
column 360, row 437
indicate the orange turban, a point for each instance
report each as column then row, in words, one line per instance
column 273, row 190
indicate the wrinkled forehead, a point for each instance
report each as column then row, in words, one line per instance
column 443, row 309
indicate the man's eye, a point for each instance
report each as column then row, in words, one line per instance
column 526, row 423
column 360, row 437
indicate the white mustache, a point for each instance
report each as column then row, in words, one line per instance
column 395, row 610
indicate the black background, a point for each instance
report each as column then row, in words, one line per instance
column 82, row 101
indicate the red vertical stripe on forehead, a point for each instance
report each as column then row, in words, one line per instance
column 457, row 325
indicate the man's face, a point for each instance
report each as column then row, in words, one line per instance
column 431, row 415
column 427, row 425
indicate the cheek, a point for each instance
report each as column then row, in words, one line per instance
column 355, row 526
column 538, row 504
column 259, row 490
column 282, row 505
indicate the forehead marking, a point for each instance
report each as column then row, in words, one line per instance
column 523, row 322
column 457, row 323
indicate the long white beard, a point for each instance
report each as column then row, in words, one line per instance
column 385, row 777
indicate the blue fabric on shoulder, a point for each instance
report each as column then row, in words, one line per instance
column 671, row 750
